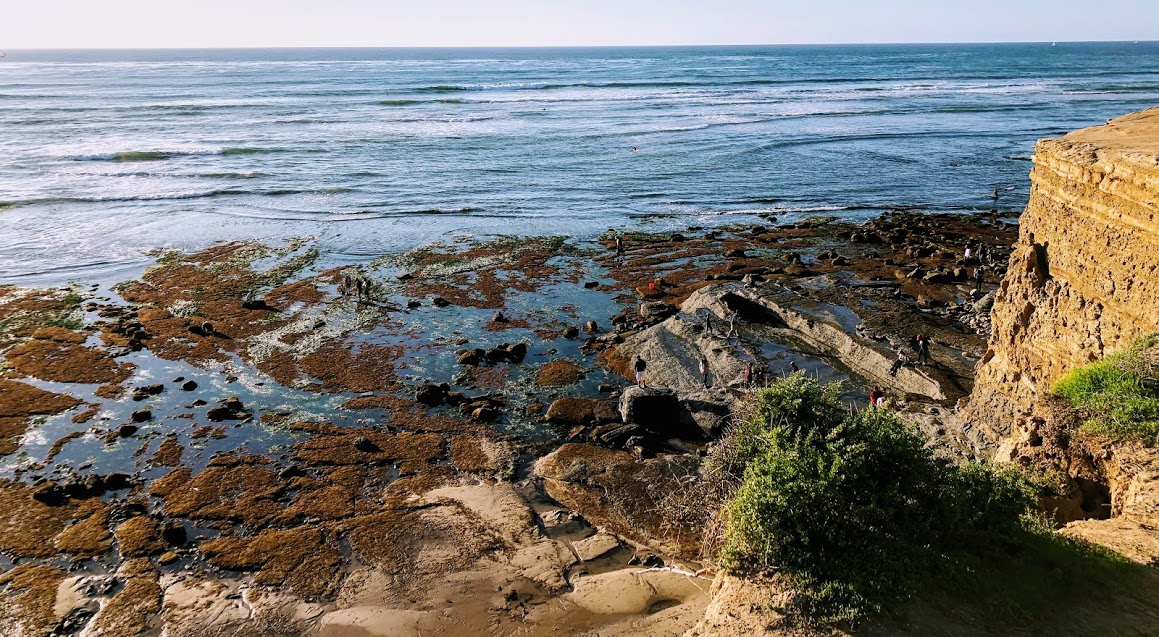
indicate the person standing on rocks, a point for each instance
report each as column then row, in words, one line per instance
column 619, row 245
column 875, row 396
column 640, row 367
column 748, row 375
column 979, row 276
column 708, row 324
column 732, row 330
column 704, row 369
column 923, row 349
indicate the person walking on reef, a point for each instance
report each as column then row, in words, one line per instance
column 708, row 324
column 732, row 331
column 748, row 375
column 359, row 286
column 640, row 367
column 923, row 349
column 619, row 245
column 704, row 369
column 979, row 276
column 875, row 395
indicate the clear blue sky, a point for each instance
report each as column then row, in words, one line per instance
column 240, row 23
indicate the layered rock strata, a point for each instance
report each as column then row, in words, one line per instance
column 1081, row 281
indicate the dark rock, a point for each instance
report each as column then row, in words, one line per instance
column 117, row 481
column 189, row 385
column 142, row 415
column 735, row 253
column 51, row 494
column 141, row 393
column 431, row 395
column 220, row 413
column 571, row 331
column 365, row 445
column 233, row 403
column 497, row 354
column 660, row 411
column 173, row 534
column 498, row 318
column 605, row 388
column 485, row 414
column 591, row 327
column 677, row 237
column 518, row 352
column 413, row 303
column 126, row 430
column 255, row 304
column 591, row 285
column 405, row 276
column 471, row 357
column 439, row 301
column 455, row 398
column 292, row 471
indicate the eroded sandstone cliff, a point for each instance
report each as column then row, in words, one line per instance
column 1084, row 277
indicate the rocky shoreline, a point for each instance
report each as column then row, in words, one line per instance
column 236, row 441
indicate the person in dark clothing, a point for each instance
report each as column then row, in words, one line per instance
column 619, row 245
column 979, row 276
column 902, row 360
column 360, row 287
column 875, row 395
column 707, row 324
column 704, row 369
column 640, row 367
column 923, row 349
column 793, row 368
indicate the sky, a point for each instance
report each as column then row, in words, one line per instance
column 308, row 23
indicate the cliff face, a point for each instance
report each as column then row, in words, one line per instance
column 1084, row 278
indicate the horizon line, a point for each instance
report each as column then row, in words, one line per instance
column 564, row 46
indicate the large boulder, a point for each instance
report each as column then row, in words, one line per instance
column 619, row 492
column 661, row 411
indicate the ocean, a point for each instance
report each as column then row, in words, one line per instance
column 109, row 154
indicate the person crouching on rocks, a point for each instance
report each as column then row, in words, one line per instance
column 902, row 360
column 641, row 367
column 876, row 397
column 704, row 369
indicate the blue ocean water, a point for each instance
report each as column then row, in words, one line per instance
column 106, row 154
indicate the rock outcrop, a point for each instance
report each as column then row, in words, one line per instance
column 1081, row 279
column 1080, row 286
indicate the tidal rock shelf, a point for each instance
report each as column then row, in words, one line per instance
column 247, row 437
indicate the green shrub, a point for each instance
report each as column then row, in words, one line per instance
column 1117, row 397
column 853, row 505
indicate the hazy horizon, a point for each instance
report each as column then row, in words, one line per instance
column 213, row 24
column 565, row 46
